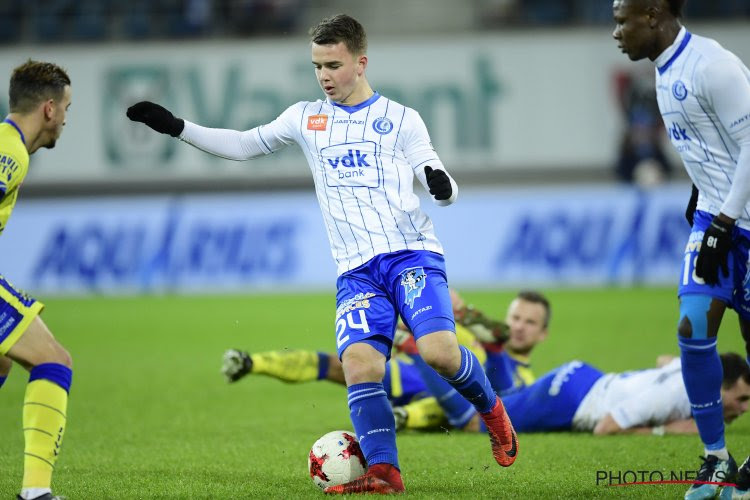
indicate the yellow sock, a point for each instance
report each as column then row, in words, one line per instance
column 425, row 414
column 44, row 410
column 289, row 366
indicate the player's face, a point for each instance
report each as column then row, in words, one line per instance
column 57, row 115
column 339, row 72
column 634, row 30
column 735, row 400
column 526, row 321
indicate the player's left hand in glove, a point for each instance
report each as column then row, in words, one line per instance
column 717, row 240
column 691, row 206
column 438, row 182
column 157, row 117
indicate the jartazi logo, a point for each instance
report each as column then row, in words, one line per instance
column 317, row 122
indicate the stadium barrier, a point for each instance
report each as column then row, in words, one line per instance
column 504, row 237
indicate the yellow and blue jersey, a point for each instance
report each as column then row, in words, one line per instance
column 14, row 165
column 17, row 310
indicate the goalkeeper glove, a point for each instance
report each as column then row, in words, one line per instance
column 156, row 117
column 717, row 240
column 483, row 328
column 691, row 206
column 438, row 182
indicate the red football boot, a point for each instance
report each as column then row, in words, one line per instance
column 502, row 435
column 381, row 479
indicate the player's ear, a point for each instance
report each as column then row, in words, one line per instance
column 49, row 108
column 361, row 64
column 654, row 13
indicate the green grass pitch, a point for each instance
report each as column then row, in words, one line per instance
column 151, row 417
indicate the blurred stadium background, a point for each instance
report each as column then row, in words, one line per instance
column 567, row 183
column 566, row 174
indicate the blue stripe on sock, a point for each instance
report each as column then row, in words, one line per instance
column 2, row 380
column 472, row 383
column 55, row 373
column 323, row 365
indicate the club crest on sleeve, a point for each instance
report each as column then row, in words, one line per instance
column 413, row 280
column 382, row 125
column 317, row 122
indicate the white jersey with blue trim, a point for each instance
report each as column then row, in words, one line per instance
column 703, row 91
column 634, row 399
column 363, row 159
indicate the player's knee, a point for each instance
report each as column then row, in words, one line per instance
column 685, row 328
column 359, row 370
column 445, row 362
column 55, row 353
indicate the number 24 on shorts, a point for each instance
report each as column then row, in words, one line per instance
column 341, row 325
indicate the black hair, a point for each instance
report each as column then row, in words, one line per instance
column 735, row 367
column 537, row 298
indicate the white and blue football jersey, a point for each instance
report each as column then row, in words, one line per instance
column 638, row 398
column 363, row 160
column 703, row 91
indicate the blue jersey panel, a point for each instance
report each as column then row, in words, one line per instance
column 551, row 402
column 734, row 289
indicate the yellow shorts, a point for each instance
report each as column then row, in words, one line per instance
column 17, row 311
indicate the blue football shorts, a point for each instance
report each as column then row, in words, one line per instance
column 17, row 311
column 409, row 283
column 733, row 289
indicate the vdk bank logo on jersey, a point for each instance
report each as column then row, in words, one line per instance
column 352, row 164
column 413, row 281
column 677, row 132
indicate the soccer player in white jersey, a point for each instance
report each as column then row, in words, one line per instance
column 364, row 151
column 703, row 92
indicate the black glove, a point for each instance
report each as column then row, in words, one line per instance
column 439, row 183
column 156, row 117
column 717, row 240
column 692, row 204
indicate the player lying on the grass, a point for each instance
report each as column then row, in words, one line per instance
column 577, row 396
column 40, row 95
column 526, row 324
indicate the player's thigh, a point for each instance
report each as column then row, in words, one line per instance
column 37, row 346
column 364, row 313
column 421, row 293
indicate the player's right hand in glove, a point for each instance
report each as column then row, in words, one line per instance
column 691, row 206
column 717, row 240
column 438, row 182
column 156, row 117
